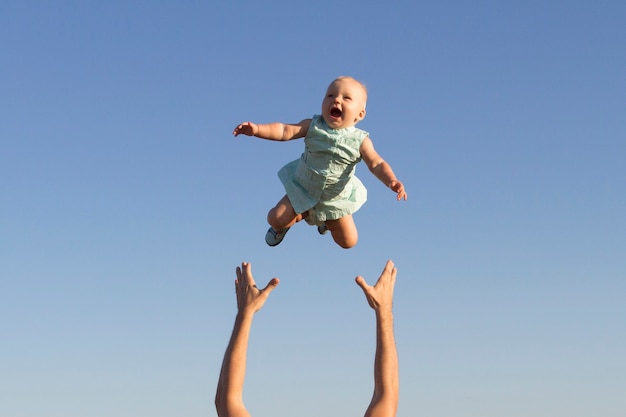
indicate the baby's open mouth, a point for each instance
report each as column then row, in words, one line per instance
column 335, row 112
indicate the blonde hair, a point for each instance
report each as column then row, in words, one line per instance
column 347, row 77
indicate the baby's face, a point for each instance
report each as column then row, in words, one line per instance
column 344, row 103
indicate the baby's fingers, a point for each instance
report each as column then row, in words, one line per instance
column 398, row 187
column 238, row 130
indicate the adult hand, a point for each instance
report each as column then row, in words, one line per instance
column 249, row 297
column 380, row 296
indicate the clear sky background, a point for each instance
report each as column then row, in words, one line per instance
column 126, row 204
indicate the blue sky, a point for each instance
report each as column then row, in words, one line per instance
column 126, row 205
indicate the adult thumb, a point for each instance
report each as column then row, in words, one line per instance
column 360, row 281
column 271, row 285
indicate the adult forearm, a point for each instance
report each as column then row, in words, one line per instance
column 386, row 361
column 386, row 380
column 229, row 394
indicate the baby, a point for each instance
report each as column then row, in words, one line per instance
column 321, row 186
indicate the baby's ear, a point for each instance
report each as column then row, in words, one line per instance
column 362, row 114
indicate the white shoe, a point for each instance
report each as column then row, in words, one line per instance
column 274, row 237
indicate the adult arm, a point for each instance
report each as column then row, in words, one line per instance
column 381, row 169
column 386, row 381
column 274, row 131
column 250, row 299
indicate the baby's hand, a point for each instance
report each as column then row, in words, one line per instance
column 398, row 187
column 246, row 128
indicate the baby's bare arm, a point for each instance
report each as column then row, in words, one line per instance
column 274, row 131
column 381, row 169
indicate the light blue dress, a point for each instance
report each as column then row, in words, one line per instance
column 322, row 181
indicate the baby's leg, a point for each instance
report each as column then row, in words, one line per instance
column 344, row 231
column 283, row 215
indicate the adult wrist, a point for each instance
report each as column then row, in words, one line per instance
column 384, row 314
